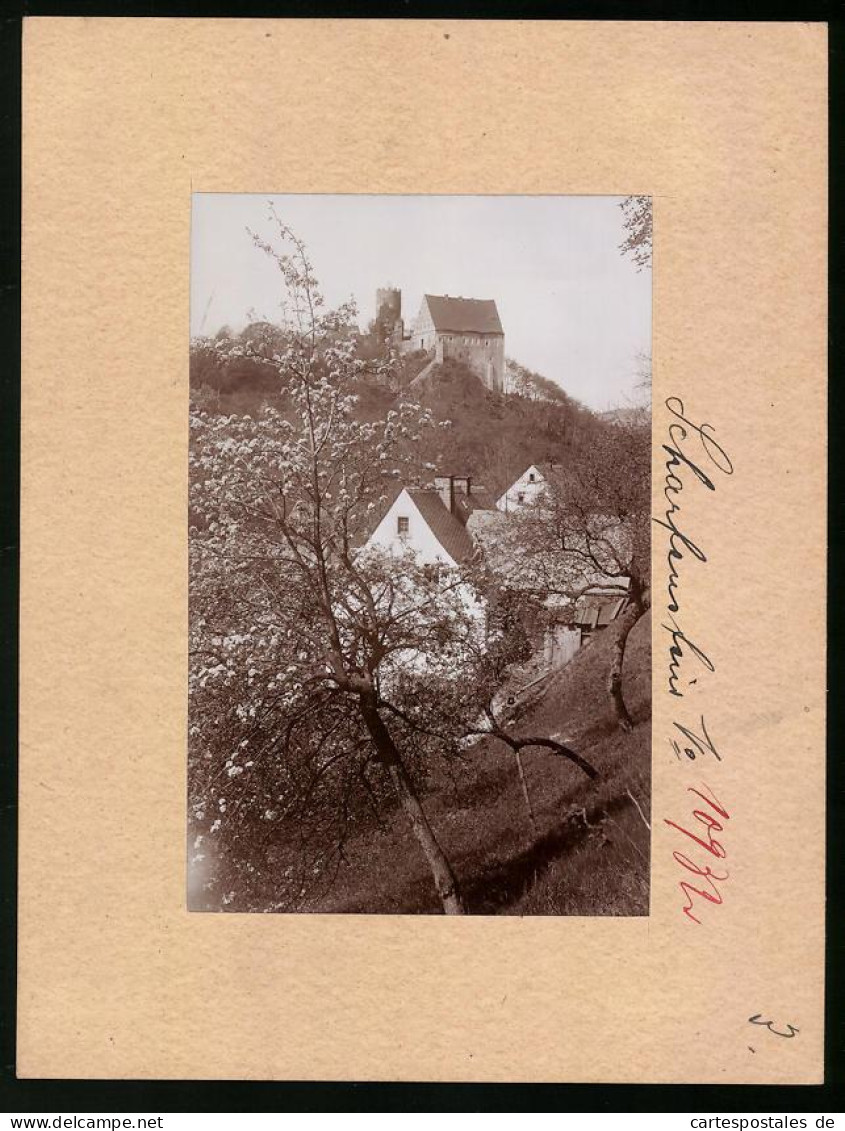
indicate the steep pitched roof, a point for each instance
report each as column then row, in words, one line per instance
column 464, row 315
column 545, row 468
column 448, row 529
column 369, row 524
column 445, row 527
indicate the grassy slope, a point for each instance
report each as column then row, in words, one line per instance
column 590, row 852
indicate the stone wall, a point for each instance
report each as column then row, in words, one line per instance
column 484, row 354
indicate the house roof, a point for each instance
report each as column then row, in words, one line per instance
column 449, row 529
column 596, row 611
column 446, row 527
column 479, row 499
column 545, row 469
column 464, row 315
column 393, row 489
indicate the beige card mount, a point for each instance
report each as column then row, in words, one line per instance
column 723, row 127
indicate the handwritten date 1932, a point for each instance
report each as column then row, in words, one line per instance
column 706, row 822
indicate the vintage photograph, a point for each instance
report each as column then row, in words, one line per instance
column 419, row 554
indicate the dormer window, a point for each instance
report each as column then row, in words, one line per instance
column 403, row 526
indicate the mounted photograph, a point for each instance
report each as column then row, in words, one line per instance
column 419, row 555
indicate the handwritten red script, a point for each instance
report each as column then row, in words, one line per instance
column 705, row 823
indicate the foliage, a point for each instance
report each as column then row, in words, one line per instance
column 491, row 437
column 581, row 859
column 524, row 382
column 637, row 223
column 588, row 532
column 598, row 513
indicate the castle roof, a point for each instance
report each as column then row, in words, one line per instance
column 464, row 315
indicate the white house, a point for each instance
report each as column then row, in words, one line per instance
column 526, row 489
column 445, row 525
column 433, row 522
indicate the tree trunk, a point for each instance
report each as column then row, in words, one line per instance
column 444, row 878
column 618, row 711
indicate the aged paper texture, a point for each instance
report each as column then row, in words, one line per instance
column 724, row 126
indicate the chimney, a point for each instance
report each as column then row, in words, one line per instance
column 445, row 487
column 449, row 487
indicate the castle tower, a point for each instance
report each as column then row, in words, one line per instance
column 388, row 306
column 388, row 320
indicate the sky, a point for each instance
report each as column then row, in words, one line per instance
column 573, row 308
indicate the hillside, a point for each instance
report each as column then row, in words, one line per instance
column 589, row 854
column 492, row 437
column 495, row 437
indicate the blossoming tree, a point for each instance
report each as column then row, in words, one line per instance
column 588, row 532
column 294, row 628
column 326, row 677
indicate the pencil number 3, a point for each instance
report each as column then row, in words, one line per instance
column 758, row 1019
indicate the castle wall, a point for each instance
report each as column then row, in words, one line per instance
column 484, row 354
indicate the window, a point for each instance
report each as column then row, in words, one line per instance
column 403, row 526
column 520, row 498
column 531, row 477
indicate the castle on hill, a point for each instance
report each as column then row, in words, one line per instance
column 461, row 329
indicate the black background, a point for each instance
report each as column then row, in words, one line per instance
column 68, row 1096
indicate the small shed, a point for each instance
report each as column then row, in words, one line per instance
column 595, row 611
